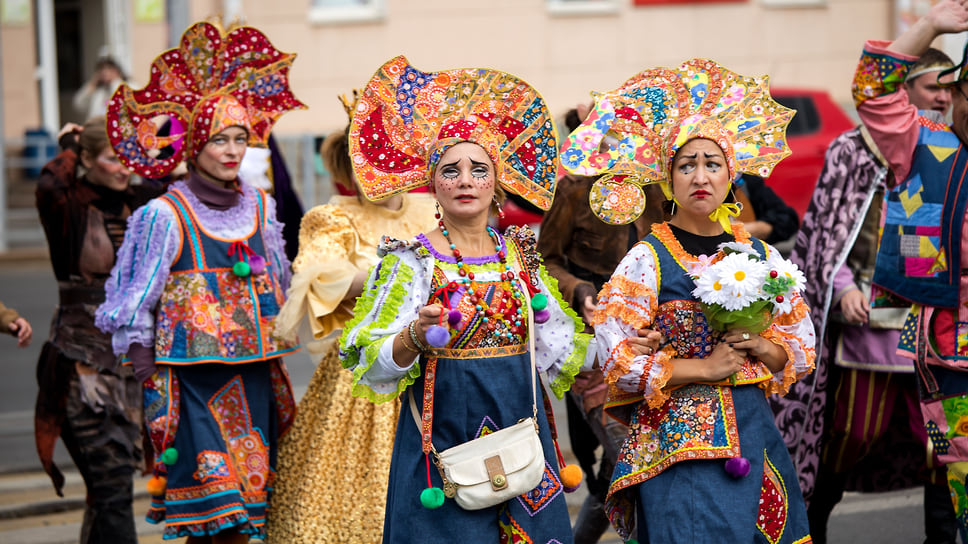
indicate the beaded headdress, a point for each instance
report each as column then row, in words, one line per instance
column 405, row 119
column 213, row 80
column 632, row 134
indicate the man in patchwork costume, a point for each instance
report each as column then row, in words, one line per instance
column 922, row 255
column 855, row 423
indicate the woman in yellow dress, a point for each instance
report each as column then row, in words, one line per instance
column 334, row 462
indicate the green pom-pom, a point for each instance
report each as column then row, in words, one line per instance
column 169, row 456
column 241, row 269
column 432, row 498
column 539, row 302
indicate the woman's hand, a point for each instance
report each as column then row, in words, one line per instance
column 770, row 354
column 405, row 350
column 723, row 362
column 646, row 342
column 427, row 317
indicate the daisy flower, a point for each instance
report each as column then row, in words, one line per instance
column 739, row 247
column 741, row 274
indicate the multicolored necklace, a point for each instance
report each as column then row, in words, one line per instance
column 509, row 308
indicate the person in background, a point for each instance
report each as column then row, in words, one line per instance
column 923, row 251
column 703, row 460
column 85, row 396
column 856, row 423
column 581, row 251
column 265, row 168
column 198, row 281
column 764, row 214
column 12, row 323
column 91, row 99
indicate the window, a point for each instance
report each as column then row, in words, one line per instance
column 342, row 11
column 582, row 7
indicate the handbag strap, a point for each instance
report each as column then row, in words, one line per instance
column 425, row 423
column 927, row 384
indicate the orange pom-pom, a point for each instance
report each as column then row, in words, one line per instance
column 156, row 485
column 571, row 476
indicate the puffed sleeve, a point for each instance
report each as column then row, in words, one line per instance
column 793, row 331
column 561, row 347
column 626, row 303
column 276, row 244
column 395, row 290
column 151, row 244
column 323, row 274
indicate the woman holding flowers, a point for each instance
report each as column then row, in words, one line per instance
column 702, row 456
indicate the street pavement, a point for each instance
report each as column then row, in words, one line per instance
column 31, row 513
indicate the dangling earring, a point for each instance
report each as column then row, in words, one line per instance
column 672, row 210
column 437, row 214
column 500, row 210
column 739, row 205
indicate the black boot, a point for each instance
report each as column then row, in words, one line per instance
column 827, row 491
column 940, row 525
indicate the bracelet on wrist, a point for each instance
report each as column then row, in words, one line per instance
column 413, row 336
column 403, row 340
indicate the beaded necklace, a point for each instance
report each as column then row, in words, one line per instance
column 507, row 309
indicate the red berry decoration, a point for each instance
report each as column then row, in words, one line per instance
column 779, row 298
column 773, row 273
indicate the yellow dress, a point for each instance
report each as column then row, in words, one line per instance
column 334, row 461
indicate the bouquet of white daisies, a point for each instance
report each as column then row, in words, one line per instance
column 743, row 290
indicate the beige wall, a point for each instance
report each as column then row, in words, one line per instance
column 21, row 98
column 564, row 56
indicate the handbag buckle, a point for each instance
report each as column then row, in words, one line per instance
column 495, row 472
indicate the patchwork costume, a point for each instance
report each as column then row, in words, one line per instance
column 478, row 382
column 923, row 255
column 198, row 282
column 669, row 483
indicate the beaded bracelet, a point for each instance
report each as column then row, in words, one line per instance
column 403, row 341
column 413, row 337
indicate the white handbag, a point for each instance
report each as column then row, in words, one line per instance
column 498, row 466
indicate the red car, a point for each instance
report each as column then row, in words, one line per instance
column 818, row 121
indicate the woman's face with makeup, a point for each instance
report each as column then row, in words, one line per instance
column 463, row 181
column 700, row 177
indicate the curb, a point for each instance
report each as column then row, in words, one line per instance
column 74, row 494
column 25, row 255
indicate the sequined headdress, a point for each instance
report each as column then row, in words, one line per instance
column 213, row 80
column 631, row 135
column 406, row 118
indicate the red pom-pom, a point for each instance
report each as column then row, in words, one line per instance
column 773, row 273
column 571, row 476
column 779, row 298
